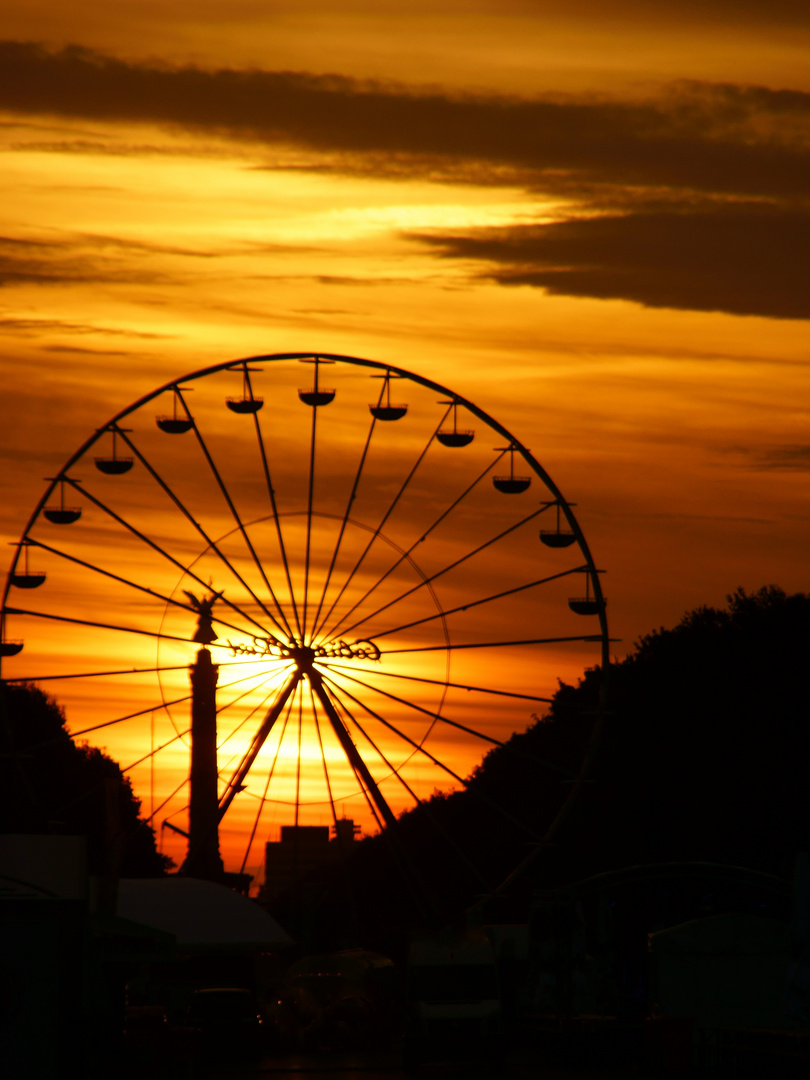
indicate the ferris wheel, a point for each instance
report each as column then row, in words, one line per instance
column 388, row 581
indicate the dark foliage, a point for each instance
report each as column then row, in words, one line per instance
column 703, row 755
column 49, row 784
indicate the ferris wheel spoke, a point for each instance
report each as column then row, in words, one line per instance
column 88, row 622
column 438, row 717
column 342, row 690
column 248, row 543
column 96, row 674
column 242, row 661
column 445, row 768
column 232, row 734
column 445, row 570
column 449, row 840
column 421, row 750
column 148, row 709
column 235, row 731
column 168, row 799
column 310, row 493
column 323, row 759
column 126, row 581
column 423, row 896
column 239, row 697
column 477, row 603
column 405, row 554
column 395, row 772
column 343, row 524
column 237, row 781
column 341, row 706
column 160, row 550
column 434, row 716
column 331, row 664
column 300, row 692
column 373, row 809
column 350, row 750
column 157, row 749
column 130, row 716
column 277, row 520
column 193, row 521
column 392, row 506
column 263, row 799
column 491, row 644
column 380, row 823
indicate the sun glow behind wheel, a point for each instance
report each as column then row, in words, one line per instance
column 384, row 523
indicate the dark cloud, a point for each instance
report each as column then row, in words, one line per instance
column 794, row 457
column 732, row 13
column 695, row 199
column 736, row 258
column 92, row 146
column 707, row 138
column 653, row 516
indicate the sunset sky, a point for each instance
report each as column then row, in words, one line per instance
column 590, row 219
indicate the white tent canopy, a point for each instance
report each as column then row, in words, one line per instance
column 201, row 914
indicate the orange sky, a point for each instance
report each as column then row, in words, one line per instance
column 590, row 220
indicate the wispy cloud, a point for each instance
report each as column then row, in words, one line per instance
column 794, row 457
column 74, row 258
column 74, row 350
column 37, row 327
column 38, row 263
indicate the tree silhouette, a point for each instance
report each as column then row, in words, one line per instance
column 49, row 784
column 704, row 756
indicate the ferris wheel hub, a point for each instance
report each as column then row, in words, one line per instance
column 303, row 656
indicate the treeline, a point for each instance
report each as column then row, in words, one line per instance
column 703, row 755
column 48, row 784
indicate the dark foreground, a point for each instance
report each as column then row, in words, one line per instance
column 346, row 1067
column 604, row 1051
column 523, row 1063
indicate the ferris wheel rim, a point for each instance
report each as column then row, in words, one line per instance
column 514, row 446
column 430, row 384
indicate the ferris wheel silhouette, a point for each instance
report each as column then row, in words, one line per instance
column 389, row 586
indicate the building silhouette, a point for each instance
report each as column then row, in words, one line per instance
column 302, row 850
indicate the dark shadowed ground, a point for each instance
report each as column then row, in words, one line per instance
column 519, row 1067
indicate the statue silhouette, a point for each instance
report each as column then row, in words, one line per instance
column 204, row 634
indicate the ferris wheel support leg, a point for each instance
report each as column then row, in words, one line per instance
column 350, row 750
